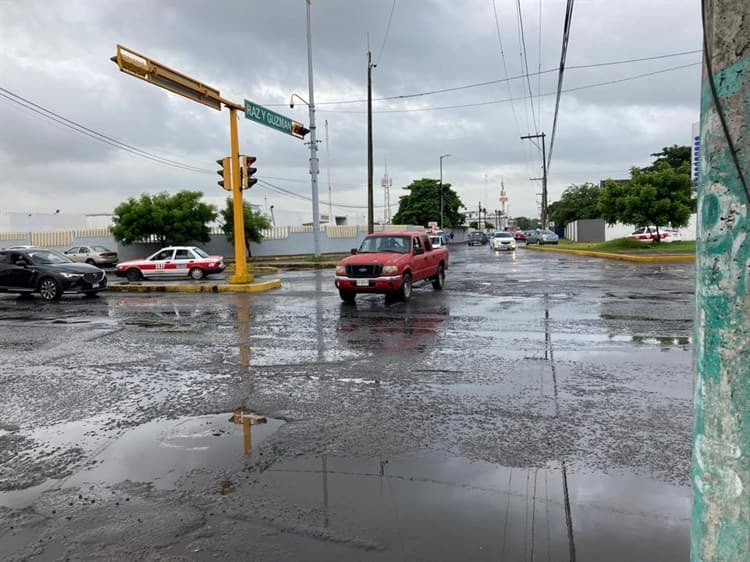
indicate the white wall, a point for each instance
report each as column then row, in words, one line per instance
column 620, row 230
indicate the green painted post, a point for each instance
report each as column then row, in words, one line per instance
column 721, row 437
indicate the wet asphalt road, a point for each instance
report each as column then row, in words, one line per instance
column 537, row 409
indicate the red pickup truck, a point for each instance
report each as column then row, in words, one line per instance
column 390, row 263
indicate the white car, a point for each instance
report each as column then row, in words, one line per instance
column 174, row 261
column 648, row 234
column 503, row 241
column 438, row 240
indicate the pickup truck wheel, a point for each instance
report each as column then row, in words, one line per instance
column 439, row 281
column 347, row 296
column 405, row 292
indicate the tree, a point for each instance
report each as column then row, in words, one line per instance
column 525, row 223
column 173, row 219
column 255, row 223
column 660, row 197
column 422, row 204
column 576, row 202
column 676, row 156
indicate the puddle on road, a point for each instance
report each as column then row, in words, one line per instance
column 186, row 452
column 432, row 507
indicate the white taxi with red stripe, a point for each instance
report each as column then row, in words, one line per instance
column 649, row 234
column 174, row 261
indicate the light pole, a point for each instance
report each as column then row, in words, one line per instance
column 313, row 143
column 441, row 189
column 313, row 174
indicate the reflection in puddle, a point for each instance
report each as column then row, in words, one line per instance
column 433, row 507
column 186, row 452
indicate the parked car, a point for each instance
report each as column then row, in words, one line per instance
column 174, row 261
column 540, row 237
column 438, row 240
column 503, row 241
column 477, row 238
column 95, row 255
column 519, row 236
column 648, row 234
column 47, row 272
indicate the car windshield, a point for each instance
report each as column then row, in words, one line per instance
column 503, row 235
column 46, row 257
column 475, row 235
column 395, row 244
column 200, row 252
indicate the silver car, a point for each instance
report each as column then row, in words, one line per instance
column 94, row 255
column 540, row 237
column 503, row 241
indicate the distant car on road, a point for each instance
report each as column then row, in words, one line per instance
column 648, row 234
column 174, row 261
column 94, row 255
column 477, row 238
column 438, row 240
column 47, row 272
column 503, row 241
column 540, row 237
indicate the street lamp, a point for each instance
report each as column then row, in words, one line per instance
column 313, row 142
column 441, row 189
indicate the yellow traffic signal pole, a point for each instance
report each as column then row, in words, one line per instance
column 240, row 259
column 153, row 72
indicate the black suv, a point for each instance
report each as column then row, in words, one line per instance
column 47, row 272
column 477, row 238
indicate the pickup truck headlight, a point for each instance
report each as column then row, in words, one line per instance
column 340, row 269
column 390, row 269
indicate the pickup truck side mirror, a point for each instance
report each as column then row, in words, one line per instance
column 353, row 251
column 418, row 251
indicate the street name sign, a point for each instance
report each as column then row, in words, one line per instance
column 269, row 118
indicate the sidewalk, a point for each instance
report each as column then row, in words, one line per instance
column 612, row 256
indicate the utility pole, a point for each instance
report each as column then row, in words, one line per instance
column 313, row 142
column 721, row 437
column 331, row 220
column 544, row 175
column 370, row 205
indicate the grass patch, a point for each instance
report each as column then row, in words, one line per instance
column 629, row 246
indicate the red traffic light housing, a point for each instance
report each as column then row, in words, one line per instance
column 225, row 173
column 246, row 172
column 299, row 130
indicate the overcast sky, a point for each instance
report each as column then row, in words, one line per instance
column 56, row 55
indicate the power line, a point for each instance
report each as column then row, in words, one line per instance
column 493, row 102
column 387, row 29
column 507, row 82
column 525, row 60
column 82, row 129
column 563, row 55
column 499, row 80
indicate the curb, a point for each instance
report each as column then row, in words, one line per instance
column 204, row 288
column 621, row 257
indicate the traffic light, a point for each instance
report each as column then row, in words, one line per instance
column 246, row 172
column 299, row 130
column 225, row 173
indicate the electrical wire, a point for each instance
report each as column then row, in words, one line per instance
column 563, row 56
column 510, row 91
column 82, row 129
column 525, row 60
column 493, row 102
column 707, row 55
column 387, row 29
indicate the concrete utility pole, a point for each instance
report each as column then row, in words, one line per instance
column 370, row 204
column 313, row 142
column 544, row 175
column 721, row 438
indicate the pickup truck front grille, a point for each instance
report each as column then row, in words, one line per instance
column 365, row 270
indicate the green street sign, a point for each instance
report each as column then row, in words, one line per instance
column 266, row 117
column 269, row 118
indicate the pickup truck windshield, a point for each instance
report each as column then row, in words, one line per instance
column 395, row 244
